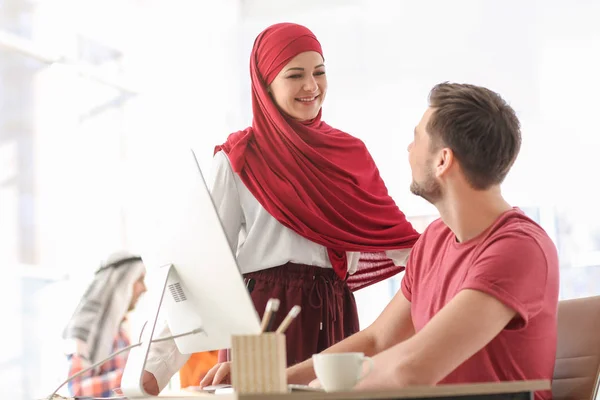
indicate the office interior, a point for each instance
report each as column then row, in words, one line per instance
column 88, row 88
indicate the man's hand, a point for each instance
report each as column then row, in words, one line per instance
column 393, row 326
column 220, row 373
column 149, row 383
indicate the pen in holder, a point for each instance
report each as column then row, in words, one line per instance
column 259, row 363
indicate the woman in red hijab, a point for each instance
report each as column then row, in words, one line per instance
column 301, row 202
column 317, row 218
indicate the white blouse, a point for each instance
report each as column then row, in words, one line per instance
column 260, row 242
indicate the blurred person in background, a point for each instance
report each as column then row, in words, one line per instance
column 98, row 325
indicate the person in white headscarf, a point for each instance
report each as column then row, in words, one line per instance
column 97, row 329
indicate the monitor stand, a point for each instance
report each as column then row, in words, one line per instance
column 131, row 382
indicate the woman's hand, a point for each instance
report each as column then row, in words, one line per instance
column 220, row 373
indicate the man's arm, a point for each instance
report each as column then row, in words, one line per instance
column 462, row 328
column 393, row 326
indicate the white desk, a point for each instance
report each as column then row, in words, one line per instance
column 519, row 390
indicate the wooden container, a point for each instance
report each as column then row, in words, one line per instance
column 258, row 363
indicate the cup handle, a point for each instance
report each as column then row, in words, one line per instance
column 371, row 366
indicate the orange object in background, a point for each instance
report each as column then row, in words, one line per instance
column 196, row 367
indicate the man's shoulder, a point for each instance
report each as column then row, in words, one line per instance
column 516, row 224
column 517, row 235
column 513, row 224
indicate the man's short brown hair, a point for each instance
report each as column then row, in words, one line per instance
column 480, row 128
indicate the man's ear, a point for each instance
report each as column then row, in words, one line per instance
column 445, row 161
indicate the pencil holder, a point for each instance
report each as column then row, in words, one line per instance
column 258, row 363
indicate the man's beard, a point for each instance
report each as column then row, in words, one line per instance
column 429, row 190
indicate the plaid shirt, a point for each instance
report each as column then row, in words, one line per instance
column 99, row 382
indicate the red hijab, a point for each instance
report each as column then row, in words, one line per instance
column 314, row 179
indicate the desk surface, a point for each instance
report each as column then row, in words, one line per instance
column 406, row 393
column 415, row 392
column 450, row 391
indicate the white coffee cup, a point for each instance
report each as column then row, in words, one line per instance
column 340, row 371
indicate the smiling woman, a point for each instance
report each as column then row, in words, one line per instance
column 299, row 89
column 315, row 216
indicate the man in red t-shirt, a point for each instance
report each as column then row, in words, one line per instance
column 479, row 298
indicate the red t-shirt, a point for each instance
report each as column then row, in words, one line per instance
column 515, row 261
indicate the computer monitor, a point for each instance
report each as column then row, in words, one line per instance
column 185, row 249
